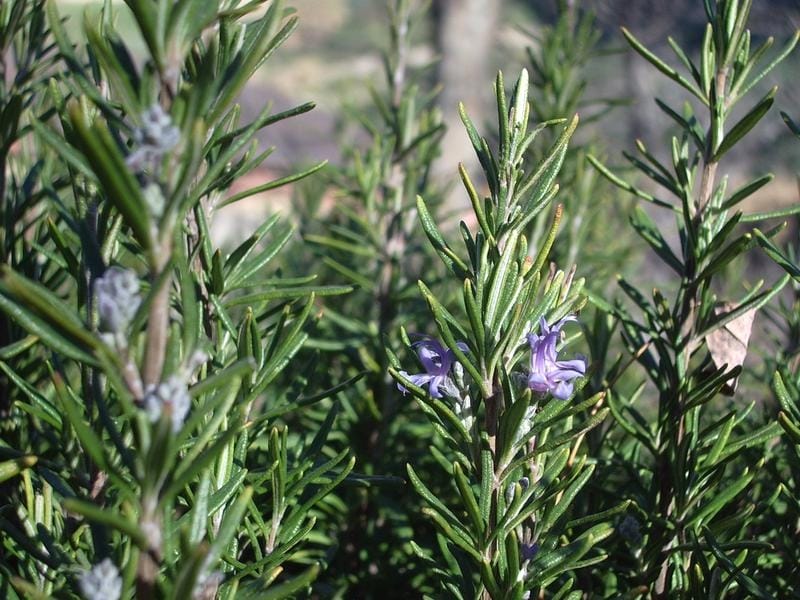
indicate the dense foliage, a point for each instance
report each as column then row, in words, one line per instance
column 367, row 397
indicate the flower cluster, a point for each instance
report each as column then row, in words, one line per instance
column 101, row 582
column 171, row 395
column 548, row 374
column 437, row 360
column 118, row 299
column 156, row 136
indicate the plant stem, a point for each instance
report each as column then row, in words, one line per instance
column 158, row 318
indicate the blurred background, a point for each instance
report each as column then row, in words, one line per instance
column 336, row 55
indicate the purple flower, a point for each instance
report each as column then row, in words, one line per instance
column 548, row 374
column 528, row 551
column 437, row 360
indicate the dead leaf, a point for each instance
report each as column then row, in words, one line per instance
column 728, row 344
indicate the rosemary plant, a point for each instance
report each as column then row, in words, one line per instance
column 691, row 474
column 184, row 421
column 165, row 468
column 495, row 389
column 370, row 239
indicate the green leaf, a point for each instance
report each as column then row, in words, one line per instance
column 496, row 302
column 109, row 166
column 117, row 65
column 601, row 516
column 429, row 497
column 778, row 213
column 539, row 184
column 481, row 149
column 745, row 124
column 186, row 472
column 579, row 429
column 12, row 468
column 793, row 127
column 477, row 204
column 253, row 590
column 468, row 499
column 50, row 307
column 92, row 444
column 786, row 401
column 221, row 497
column 243, row 266
column 94, row 513
column 192, row 564
column 200, row 513
column 650, row 233
column 722, row 440
column 759, row 436
column 547, row 244
column 456, row 535
column 719, row 500
column 288, row 293
column 566, row 499
column 775, row 254
column 628, row 187
column 260, row 42
column 450, row 258
column 229, row 526
column 71, row 156
column 790, row 427
column 662, row 66
column 747, row 190
column 271, row 185
column 753, row 303
column 743, row 580
column 356, row 249
column 187, row 20
column 763, row 71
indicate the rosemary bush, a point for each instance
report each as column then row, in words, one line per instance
column 366, row 397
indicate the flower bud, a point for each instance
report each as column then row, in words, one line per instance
column 118, row 298
column 101, row 582
column 171, row 395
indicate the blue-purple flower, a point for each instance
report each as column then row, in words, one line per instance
column 528, row 551
column 437, row 360
column 547, row 374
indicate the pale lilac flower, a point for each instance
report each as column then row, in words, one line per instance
column 156, row 136
column 118, row 299
column 437, row 360
column 171, row 394
column 101, row 582
column 547, row 374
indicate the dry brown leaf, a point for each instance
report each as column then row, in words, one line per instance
column 728, row 344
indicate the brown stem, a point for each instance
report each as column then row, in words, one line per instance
column 150, row 557
column 146, row 575
column 158, row 320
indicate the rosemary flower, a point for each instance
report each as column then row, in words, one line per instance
column 547, row 374
column 118, row 299
column 437, row 361
column 101, row 582
column 156, row 136
column 171, row 395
